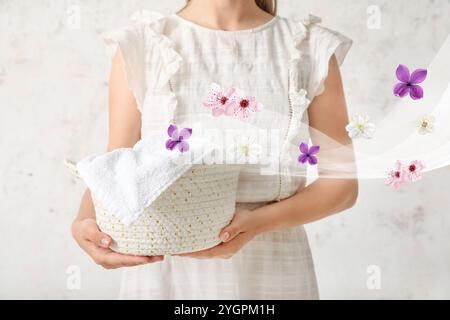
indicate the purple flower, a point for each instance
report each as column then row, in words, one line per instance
column 308, row 154
column 409, row 83
column 178, row 138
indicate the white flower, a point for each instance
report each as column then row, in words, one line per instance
column 426, row 124
column 247, row 149
column 360, row 127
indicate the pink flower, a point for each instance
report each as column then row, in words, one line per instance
column 231, row 103
column 414, row 171
column 219, row 100
column 401, row 175
column 397, row 177
column 243, row 106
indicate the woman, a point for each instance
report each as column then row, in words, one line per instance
column 265, row 252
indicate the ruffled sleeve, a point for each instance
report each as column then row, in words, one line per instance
column 130, row 41
column 323, row 43
column 149, row 59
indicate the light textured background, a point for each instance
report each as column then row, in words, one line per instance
column 53, row 99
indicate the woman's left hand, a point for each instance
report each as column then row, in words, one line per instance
column 235, row 236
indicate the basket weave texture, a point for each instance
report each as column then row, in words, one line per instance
column 187, row 217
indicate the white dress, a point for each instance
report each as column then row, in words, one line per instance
column 171, row 61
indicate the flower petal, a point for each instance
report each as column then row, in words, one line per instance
column 217, row 112
column 389, row 180
column 314, row 150
column 230, row 92
column 171, row 144
column 419, row 164
column 304, row 148
column 403, row 73
column 242, row 114
column 208, row 104
column 366, row 119
column 369, row 133
column 303, row 158
column 312, row 160
column 229, row 109
column 173, row 132
column 416, row 177
column 419, row 76
column 183, row 146
column 416, row 92
column 186, row 133
column 401, row 90
column 216, row 89
column 354, row 133
column 350, row 127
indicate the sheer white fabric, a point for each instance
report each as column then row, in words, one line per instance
column 172, row 62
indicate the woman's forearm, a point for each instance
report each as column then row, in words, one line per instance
column 87, row 209
column 317, row 201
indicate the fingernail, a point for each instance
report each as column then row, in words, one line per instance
column 225, row 236
column 105, row 242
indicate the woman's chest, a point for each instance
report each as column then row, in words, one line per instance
column 249, row 69
column 248, row 64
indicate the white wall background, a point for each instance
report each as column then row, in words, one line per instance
column 53, row 100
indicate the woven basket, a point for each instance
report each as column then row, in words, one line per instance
column 186, row 217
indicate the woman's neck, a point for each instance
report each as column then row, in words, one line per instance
column 229, row 15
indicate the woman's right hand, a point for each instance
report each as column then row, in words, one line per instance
column 97, row 245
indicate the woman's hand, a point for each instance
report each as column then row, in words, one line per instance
column 96, row 244
column 235, row 236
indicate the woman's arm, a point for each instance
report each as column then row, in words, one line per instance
column 326, row 196
column 328, row 119
column 124, row 132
